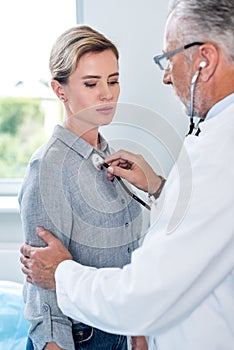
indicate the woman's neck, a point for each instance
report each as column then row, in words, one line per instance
column 87, row 134
column 91, row 137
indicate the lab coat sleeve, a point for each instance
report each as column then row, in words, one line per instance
column 174, row 270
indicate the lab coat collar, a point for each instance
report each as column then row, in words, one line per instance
column 218, row 115
column 220, row 106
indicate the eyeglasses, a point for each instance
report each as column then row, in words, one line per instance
column 162, row 60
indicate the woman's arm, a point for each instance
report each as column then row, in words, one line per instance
column 38, row 198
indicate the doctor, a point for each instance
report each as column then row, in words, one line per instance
column 179, row 287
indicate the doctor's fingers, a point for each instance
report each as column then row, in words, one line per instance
column 122, row 163
column 122, row 156
column 36, row 278
column 30, row 266
column 128, row 160
column 30, row 269
column 25, row 260
column 26, row 250
column 141, row 174
column 112, row 170
column 27, row 264
column 26, row 270
column 136, row 176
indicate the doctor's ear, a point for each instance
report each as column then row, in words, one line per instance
column 209, row 57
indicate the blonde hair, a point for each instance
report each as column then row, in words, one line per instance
column 71, row 46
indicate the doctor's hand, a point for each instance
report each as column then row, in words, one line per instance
column 133, row 168
column 138, row 343
column 40, row 263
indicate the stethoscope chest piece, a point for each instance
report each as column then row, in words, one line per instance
column 97, row 161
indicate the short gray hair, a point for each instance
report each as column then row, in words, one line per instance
column 206, row 20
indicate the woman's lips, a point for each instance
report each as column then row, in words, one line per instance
column 105, row 109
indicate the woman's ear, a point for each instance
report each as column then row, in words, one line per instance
column 58, row 89
column 209, row 54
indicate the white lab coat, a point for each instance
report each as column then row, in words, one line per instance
column 179, row 288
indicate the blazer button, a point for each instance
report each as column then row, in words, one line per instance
column 45, row 308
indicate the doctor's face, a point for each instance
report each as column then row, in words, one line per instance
column 93, row 89
column 182, row 69
column 179, row 73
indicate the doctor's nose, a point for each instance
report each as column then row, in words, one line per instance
column 167, row 77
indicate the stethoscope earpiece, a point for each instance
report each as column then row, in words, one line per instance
column 202, row 64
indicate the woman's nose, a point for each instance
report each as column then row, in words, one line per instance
column 105, row 92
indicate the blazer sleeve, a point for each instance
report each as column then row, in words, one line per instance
column 42, row 203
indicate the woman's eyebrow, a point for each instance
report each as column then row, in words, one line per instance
column 90, row 76
column 113, row 75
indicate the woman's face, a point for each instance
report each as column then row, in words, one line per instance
column 93, row 89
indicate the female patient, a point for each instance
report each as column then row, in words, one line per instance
column 66, row 191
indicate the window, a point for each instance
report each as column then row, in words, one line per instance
column 28, row 107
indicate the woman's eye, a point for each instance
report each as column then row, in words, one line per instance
column 90, row 85
column 113, row 82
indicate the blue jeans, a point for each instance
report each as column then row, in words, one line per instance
column 89, row 338
column 29, row 345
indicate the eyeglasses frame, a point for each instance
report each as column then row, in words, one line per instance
column 171, row 53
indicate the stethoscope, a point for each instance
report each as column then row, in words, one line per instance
column 99, row 163
column 192, row 88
